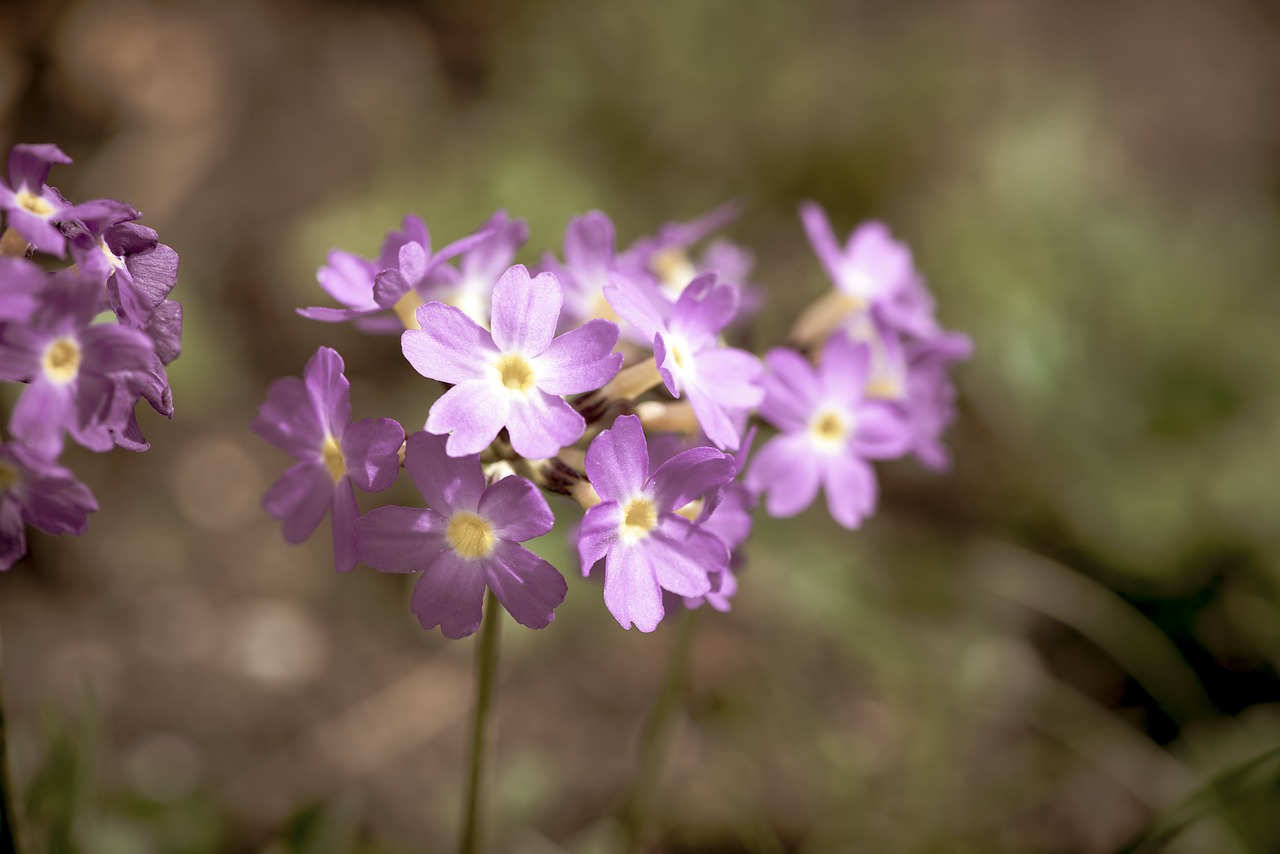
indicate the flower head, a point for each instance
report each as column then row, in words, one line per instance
column 829, row 431
column 638, row 530
column 722, row 382
column 466, row 539
column 514, row 376
column 309, row 418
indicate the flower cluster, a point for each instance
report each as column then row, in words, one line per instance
column 86, row 340
column 609, row 378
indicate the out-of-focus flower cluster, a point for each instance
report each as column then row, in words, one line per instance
column 607, row 377
column 86, row 328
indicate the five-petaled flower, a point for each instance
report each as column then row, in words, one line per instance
column 514, row 376
column 466, row 539
column 309, row 418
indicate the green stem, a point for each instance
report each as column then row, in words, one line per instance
column 8, row 832
column 486, row 669
column 654, row 738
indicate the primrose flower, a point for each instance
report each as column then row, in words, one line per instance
column 20, row 282
column 35, row 209
column 377, row 294
column 664, row 259
column 465, row 540
column 309, row 419
column 589, row 260
column 829, row 431
column 514, row 376
column 470, row 286
column 930, row 395
column 73, row 370
column 638, row 530
column 721, row 382
column 35, row 491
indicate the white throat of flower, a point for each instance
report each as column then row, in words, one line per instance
column 639, row 518
column 61, row 360
column 829, row 429
column 33, row 204
column 515, row 373
column 679, row 356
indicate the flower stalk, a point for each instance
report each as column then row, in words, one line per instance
column 8, row 802
column 486, row 669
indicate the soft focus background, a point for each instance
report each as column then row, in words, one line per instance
column 1073, row 634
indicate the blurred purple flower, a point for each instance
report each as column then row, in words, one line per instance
column 637, row 528
column 466, row 539
column 35, row 491
column 515, row 376
column 829, row 431
column 309, row 419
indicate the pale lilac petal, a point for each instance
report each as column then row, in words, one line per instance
column 631, row 591
column 287, row 420
column 372, row 452
column 41, row 414
column 473, row 412
column 844, row 368
column 787, row 471
column 733, row 376
column 29, row 164
column 881, row 432
column 597, row 534
column 791, row 390
column 731, row 520
column 714, row 419
column 541, row 424
column 689, row 475
column 39, row 232
column 450, row 346
column 400, row 539
column 581, row 360
column 823, row 238
column 329, row 389
column 851, row 490
column 349, row 279
column 639, row 303
column 529, row 587
column 704, row 308
column 516, row 509
column 450, row 594
column 345, row 513
column 299, row 499
column 683, row 556
column 525, row 311
column 618, row 460
column 447, row 483
column 107, row 347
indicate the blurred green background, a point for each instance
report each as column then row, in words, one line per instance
column 1073, row 634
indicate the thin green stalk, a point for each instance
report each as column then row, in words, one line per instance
column 654, row 738
column 486, row 669
column 8, row 831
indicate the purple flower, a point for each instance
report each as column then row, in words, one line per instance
column 513, row 377
column 721, row 382
column 930, row 397
column 470, row 286
column 637, row 528
column 35, row 491
column 467, row 538
column 20, row 282
column 309, row 418
column 35, row 209
column 664, row 257
column 78, row 375
column 589, row 260
column 829, row 431
column 373, row 291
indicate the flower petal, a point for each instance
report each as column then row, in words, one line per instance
column 473, row 412
column 372, row 451
column 598, row 533
column 851, row 490
column 689, row 475
column 448, row 483
column 400, row 539
column 631, row 591
column 541, row 424
column 450, row 595
column 525, row 311
column 787, row 470
column 618, row 460
column 287, row 420
column 345, row 513
column 449, row 347
column 299, row 499
column 529, row 587
column 516, row 509
column 580, row 360
column 684, row 556
column 791, row 390
column 329, row 389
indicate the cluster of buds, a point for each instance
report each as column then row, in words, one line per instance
column 605, row 377
column 86, row 339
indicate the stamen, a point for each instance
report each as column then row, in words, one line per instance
column 32, row 203
column 639, row 517
column 334, row 461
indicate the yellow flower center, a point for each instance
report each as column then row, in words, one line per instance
column 470, row 536
column 515, row 372
column 829, row 429
column 674, row 269
column 639, row 517
column 692, row 510
column 334, row 461
column 61, row 361
column 32, row 203
column 8, row 476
